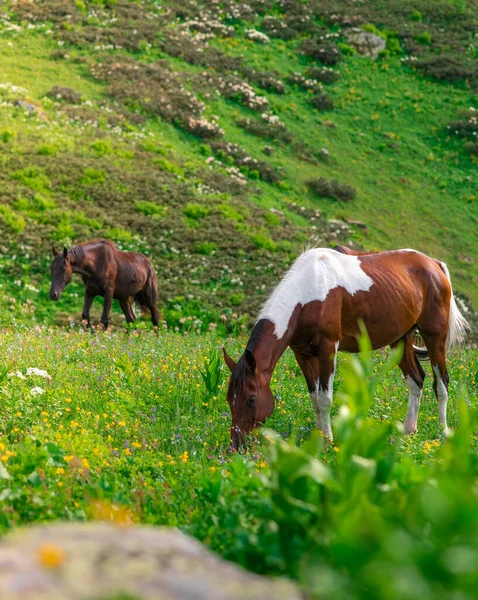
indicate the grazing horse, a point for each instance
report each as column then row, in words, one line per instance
column 315, row 311
column 108, row 272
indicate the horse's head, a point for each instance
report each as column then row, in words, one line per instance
column 61, row 273
column 249, row 396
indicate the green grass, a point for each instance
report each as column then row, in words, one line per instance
column 127, row 412
column 129, row 428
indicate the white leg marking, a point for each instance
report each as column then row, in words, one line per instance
column 442, row 397
column 322, row 401
column 414, row 395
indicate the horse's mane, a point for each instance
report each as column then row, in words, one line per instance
column 240, row 370
column 76, row 255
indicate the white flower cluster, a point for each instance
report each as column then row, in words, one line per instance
column 272, row 120
column 232, row 87
column 408, row 59
column 257, row 36
column 202, row 127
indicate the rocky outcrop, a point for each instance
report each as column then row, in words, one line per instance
column 364, row 42
column 74, row 561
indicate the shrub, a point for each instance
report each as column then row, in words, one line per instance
column 6, row 135
column 33, row 177
column 262, row 241
column 195, row 211
column 102, row 147
column 66, row 94
column 236, row 299
column 330, row 188
column 93, row 176
column 11, row 220
column 448, row 68
column 323, row 74
column 424, row 38
column 416, row 15
column 322, row 102
column 206, row 248
column 150, row 208
column 325, row 52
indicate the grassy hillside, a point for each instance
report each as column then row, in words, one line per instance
column 176, row 130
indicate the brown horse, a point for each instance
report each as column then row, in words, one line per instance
column 110, row 273
column 315, row 311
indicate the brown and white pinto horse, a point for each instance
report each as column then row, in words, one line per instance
column 315, row 311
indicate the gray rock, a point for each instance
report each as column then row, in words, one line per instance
column 364, row 42
column 81, row 561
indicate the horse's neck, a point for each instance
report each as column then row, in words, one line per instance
column 267, row 349
column 77, row 261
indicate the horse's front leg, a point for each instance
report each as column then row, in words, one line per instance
column 108, row 300
column 85, row 315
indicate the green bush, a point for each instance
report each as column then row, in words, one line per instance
column 424, row 38
column 416, row 15
column 33, row 177
column 93, row 176
column 11, row 220
column 262, row 241
column 206, row 248
column 195, row 211
column 150, row 208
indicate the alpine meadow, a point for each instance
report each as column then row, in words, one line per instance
column 221, row 140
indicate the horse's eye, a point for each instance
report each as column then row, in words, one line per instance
column 251, row 401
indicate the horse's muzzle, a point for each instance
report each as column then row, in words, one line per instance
column 54, row 295
column 238, row 439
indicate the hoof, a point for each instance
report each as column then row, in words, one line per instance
column 409, row 428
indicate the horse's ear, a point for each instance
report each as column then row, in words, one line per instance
column 250, row 360
column 229, row 361
column 65, row 252
column 54, row 251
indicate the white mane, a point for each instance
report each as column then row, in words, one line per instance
column 312, row 276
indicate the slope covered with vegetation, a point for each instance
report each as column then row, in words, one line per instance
column 220, row 138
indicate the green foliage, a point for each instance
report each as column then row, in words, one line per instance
column 416, row 15
column 212, row 375
column 424, row 38
column 6, row 135
column 206, row 248
column 168, row 166
column 150, row 208
column 93, row 176
column 371, row 28
column 261, row 240
column 11, row 220
column 102, row 147
column 196, row 211
column 32, row 177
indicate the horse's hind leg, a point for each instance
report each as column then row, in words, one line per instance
column 436, row 346
column 127, row 309
column 414, row 377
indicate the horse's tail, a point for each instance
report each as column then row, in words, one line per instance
column 458, row 326
column 147, row 298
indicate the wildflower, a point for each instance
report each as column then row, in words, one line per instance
column 50, row 556
column 38, row 372
column 37, row 391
